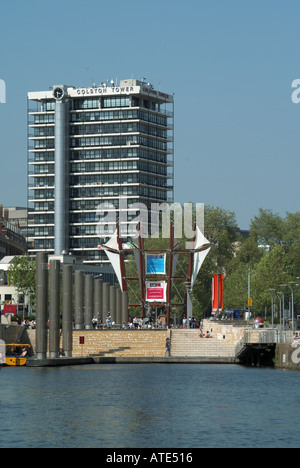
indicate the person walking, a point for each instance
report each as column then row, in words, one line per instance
column 168, row 347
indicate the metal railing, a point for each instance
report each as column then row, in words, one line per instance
column 268, row 336
column 265, row 336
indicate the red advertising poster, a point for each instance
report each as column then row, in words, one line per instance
column 10, row 309
column 217, row 293
column 156, row 291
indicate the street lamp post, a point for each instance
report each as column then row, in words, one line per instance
column 272, row 292
column 283, row 286
column 292, row 286
column 279, row 295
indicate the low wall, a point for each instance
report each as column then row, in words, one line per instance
column 224, row 331
column 117, row 343
column 120, row 343
column 287, row 357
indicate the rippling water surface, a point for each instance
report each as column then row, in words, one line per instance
column 149, row 406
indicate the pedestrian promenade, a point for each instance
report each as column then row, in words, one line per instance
column 228, row 342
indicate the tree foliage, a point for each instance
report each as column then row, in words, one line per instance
column 22, row 275
column 272, row 252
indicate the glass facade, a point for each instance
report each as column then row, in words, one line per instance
column 118, row 146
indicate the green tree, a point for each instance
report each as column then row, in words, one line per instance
column 236, row 288
column 291, row 243
column 247, row 255
column 270, row 273
column 22, row 275
column 221, row 230
column 267, row 228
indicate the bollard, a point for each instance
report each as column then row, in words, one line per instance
column 41, row 304
column 89, row 302
column 79, row 300
column 54, row 309
column 67, row 322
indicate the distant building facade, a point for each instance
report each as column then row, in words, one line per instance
column 8, row 293
column 12, row 241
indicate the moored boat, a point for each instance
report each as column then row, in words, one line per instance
column 15, row 361
column 16, row 354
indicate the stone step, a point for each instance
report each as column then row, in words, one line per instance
column 186, row 343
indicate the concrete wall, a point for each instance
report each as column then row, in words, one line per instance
column 11, row 333
column 287, row 357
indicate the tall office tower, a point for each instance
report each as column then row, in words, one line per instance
column 89, row 146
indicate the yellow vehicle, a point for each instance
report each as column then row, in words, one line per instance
column 16, row 354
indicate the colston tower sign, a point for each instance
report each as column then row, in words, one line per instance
column 104, row 90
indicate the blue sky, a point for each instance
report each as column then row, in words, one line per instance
column 230, row 64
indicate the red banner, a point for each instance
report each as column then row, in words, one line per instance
column 217, row 293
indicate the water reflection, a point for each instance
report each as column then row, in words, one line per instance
column 153, row 406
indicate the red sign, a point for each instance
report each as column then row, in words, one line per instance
column 10, row 309
column 81, row 340
column 156, row 291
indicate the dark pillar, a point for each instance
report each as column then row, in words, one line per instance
column 79, row 300
column 98, row 299
column 89, row 302
column 119, row 307
column 125, row 303
column 54, row 309
column 67, row 310
column 112, row 303
column 105, row 308
column 41, row 304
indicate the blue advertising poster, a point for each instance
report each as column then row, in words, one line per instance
column 155, row 264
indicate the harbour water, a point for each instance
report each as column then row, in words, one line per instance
column 149, row 406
